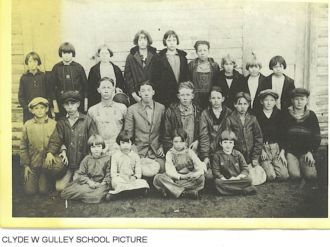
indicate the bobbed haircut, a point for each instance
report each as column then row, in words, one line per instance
column 98, row 83
column 187, row 85
column 180, row 133
column 253, row 62
column 147, row 82
column 104, row 46
column 168, row 34
column 228, row 135
column 201, row 42
column 228, row 59
column 95, row 140
column 142, row 32
column 124, row 136
column 66, row 47
column 35, row 56
column 277, row 60
column 216, row 89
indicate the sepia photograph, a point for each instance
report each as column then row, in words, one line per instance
column 169, row 109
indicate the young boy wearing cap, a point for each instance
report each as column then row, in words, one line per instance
column 34, row 142
column 229, row 168
column 301, row 137
column 69, row 139
column 273, row 159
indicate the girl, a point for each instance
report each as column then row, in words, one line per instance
column 184, row 172
column 203, row 72
column 139, row 64
column 32, row 84
column 126, row 168
column 92, row 181
column 171, row 69
column 104, row 68
column 230, row 80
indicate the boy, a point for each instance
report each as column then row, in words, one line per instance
column 108, row 115
column 145, row 121
column 270, row 119
column 68, row 75
column 246, row 128
column 301, row 137
column 229, row 168
column 184, row 115
column 34, row 142
column 69, row 139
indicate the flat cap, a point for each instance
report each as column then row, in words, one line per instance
column 243, row 95
column 70, row 96
column 37, row 101
column 267, row 92
column 299, row 92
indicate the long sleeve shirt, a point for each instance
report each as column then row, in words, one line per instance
column 126, row 165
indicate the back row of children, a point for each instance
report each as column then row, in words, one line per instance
column 282, row 142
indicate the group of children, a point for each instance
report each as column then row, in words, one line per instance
column 180, row 126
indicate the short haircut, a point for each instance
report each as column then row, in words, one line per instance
column 228, row 135
column 242, row 95
column 104, row 47
column 124, row 136
column 201, row 42
column 275, row 60
column 35, row 56
column 253, row 62
column 137, row 36
column 147, row 82
column 168, row 34
column 187, row 85
column 228, row 59
column 66, row 47
column 216, row 89
column 98, row 83
column 95, row 140
column 180, row 133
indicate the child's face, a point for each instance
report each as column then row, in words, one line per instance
column 299, row 102
column 32, row 63
column 39, row 111
column 228, row 67
column 278, row 69
column 216, row 99
column 178, row 144
column 142, row 41
column 171, row 43
column 106, row 89
column 104, row 55
column 268, row 102
column 71, row 107
column 242, row 105
column 96, row 150
column 227, row 145
column 185, row 96
column 203, row 52
column 67, row 56
column 146, row 93
column 125, row 146
column 254, row 70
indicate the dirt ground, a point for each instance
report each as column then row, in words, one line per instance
column 290, row 199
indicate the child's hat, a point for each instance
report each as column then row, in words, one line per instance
column 37, row 101
column 267, row 92
column 299, row 92
column 243, row 95
column 73, row 96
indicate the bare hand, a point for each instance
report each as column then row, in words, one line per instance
column 118, row 90
column 91, row 184
column 132, row 178
column 136, row 97
column 194, row 146
column 264, row 155
column 160, row 152
column 309, row 159
column 241, row 176
column 50, row 159
column 64, row 158
column 195, row 175
column 207, row 162
column 27, row 172
column 282, row 157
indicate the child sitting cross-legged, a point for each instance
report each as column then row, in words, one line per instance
column 229, row 168
column 184, row 172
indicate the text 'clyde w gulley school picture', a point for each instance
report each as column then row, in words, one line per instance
column 202, row 114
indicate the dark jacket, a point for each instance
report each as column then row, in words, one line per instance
column 209, row 135
column 255, row 105
column 74, row 138
column 134, row 72
column 164, row 79
column 173, row 122
column 249, row 136
column 300, row 135
column 230, row 93
column 228, row 165
column 288, row 86
column 94, row 76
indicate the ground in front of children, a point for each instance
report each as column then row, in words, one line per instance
column 274, row 199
